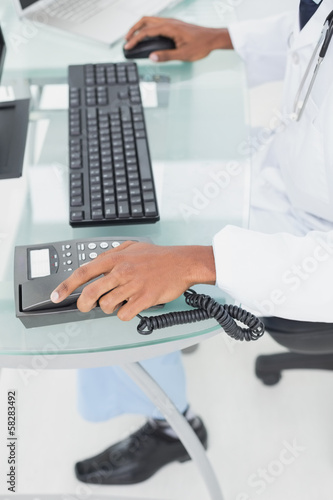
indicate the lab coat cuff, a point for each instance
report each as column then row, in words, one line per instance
column 224, row 243
column 236, row 32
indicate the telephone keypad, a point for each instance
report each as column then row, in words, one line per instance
column 81, row 256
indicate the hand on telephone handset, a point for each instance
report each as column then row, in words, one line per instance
column 136, row 276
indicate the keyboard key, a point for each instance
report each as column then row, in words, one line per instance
column 91, row 113
column 137, row 210
column 75, row 131
column 136, row 109
column 147, row 186
column 123, row 209
column 122, row 196
column 76, row 176
column 108, row 200
column 150, row 208
column 76, row 201
column 96, row 204
column 139, row 126
column 135, row 200
column 76, row 192
column 134, row 184
column 76, row 216
column 148, row 196
column 108, row 183
column 132, row 77
column 76, row 183
column 143, row 157
column 97, row 214
column 110, row 211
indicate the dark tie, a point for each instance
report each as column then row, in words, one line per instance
column 306, row 10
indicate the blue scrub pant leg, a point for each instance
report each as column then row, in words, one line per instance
column 107, row 392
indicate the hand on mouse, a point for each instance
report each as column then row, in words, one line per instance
column 192, row 42
column 138, row 275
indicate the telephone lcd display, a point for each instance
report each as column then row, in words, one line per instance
column 40, row 263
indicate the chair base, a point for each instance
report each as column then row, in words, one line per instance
column 269, row 367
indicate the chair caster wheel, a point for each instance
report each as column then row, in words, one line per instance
column 270, row 378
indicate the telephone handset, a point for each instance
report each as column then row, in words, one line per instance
column 39, row 269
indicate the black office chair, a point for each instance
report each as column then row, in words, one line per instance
column 311, row 346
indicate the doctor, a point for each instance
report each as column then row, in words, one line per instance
column 283, row 265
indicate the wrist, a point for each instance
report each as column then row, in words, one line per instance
column 201, row 265
column 220, row 39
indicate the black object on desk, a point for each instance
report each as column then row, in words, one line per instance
column 39, row 269
column 14, row 119
column 144, row 48
column 111, row 177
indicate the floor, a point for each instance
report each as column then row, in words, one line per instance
column 267, row 443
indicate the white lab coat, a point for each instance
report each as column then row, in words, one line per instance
column 284, row 274
column 293, row 191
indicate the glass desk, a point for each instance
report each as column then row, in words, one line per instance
column 202, row 183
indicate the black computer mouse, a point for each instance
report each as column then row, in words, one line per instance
column 149, row 45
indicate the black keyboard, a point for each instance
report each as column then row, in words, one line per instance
column 110, row 174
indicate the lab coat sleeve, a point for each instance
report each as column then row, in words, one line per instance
column 263, row 45
column 277, row 274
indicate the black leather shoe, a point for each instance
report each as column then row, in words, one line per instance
column 137, row 457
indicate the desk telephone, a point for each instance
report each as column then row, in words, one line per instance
column 39, row 269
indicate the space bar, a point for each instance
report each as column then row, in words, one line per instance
column 143, row 157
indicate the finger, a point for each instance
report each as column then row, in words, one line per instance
column 144, row 21
column 112, row 300
column 79, row 277
column 133, row 306
column 150, row 32
column 166, row 55
column 94, row 291
column 83, row 274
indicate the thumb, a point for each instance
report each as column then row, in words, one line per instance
column 163, row 55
